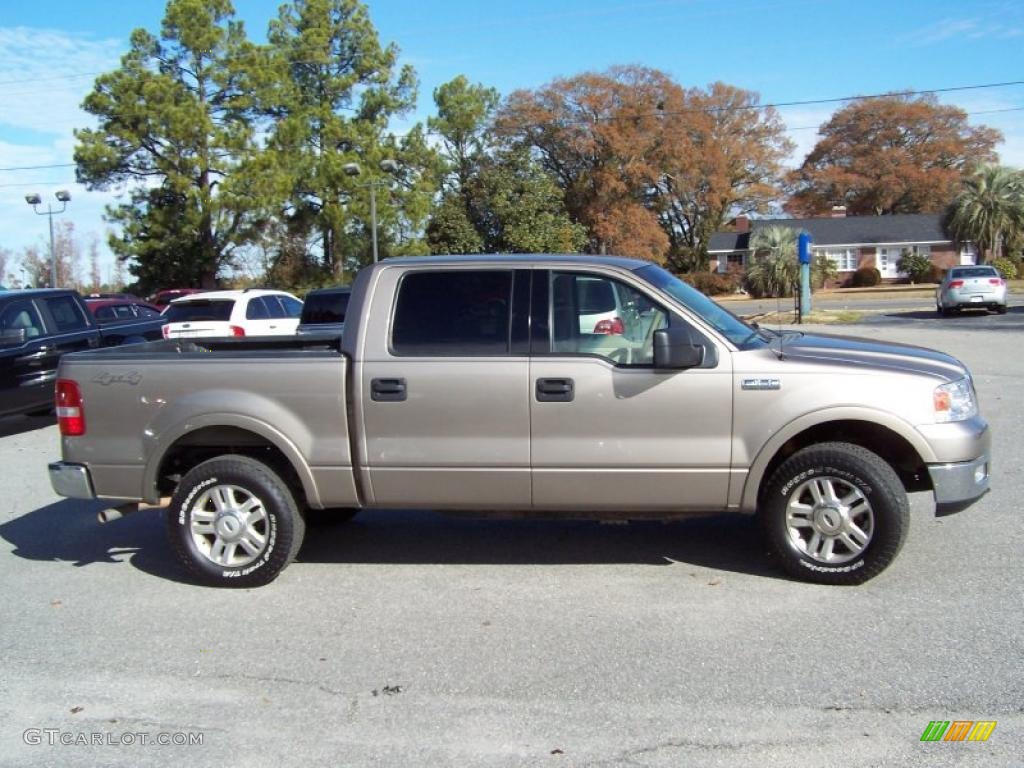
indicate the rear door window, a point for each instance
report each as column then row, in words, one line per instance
column 199, row 310
column 66, row 314
column 256, row 309
column 292, row 307
column 453, row 313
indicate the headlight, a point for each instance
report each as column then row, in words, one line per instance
column 955, row 401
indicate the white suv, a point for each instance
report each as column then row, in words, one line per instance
column 252, row 312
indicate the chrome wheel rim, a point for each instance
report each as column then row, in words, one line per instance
column 829, row 520
column 229, row 525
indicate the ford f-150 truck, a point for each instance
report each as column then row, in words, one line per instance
column 572, row 386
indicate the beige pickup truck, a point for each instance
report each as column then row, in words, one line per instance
column 568, row 386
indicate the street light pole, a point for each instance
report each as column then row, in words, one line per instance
column 63, row 196
column 353, row 169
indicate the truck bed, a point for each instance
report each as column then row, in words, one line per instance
column 279, row 396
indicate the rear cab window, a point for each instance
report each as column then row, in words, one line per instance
column 325, row 308
column 199, row 310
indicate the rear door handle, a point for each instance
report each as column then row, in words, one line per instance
column 555, row 390
column 387, row 390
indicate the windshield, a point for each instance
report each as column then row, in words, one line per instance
column 730, row 326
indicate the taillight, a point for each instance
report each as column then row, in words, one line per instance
column 70, row 414
column 166, row 332
column 613, row 327
column 236, row 330
column 956, row 283
column 995, row 281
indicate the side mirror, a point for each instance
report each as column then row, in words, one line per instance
column 12, row 337
column 674, row 348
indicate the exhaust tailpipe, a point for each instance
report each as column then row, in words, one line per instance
column 116, row 513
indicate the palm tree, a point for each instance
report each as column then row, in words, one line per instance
column 774, row 270
column 989, row 211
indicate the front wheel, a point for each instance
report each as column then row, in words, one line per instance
column 233, row 522
column 835, row 513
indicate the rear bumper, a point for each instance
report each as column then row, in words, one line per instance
column 71, row 480
column 958, row 485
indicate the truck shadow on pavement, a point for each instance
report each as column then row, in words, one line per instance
column 67, row 532
column 724, row 542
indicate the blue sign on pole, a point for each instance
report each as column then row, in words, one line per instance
column 804, row 248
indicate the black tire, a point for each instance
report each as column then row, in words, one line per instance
column 240, row 483
column 858, row 496
column 1001, row 310
column 325, row 517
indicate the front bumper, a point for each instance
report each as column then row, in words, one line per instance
column 958, row 485
column 71, row 480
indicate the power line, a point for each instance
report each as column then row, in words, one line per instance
column 428, row 131
column 38, row 167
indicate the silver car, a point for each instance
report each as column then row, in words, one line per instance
column 978, row 287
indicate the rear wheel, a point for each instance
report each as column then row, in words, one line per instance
column 835, row 513
column 233, row 522
column 1001, row 309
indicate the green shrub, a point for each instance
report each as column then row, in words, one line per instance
column 1007, row 267
column 823, row 269
column 711, row 283
column 773, row 275
column 917, row 266
column 866, row 277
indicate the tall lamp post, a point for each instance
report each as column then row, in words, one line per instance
column 353, row 169
column 63, row 197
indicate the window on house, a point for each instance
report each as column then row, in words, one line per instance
column 845, row 259
column 727, row 260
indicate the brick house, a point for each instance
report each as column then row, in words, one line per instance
column 852, row 242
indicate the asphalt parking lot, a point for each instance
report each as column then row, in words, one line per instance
column 408, row 638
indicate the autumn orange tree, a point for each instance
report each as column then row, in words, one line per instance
column 721, row 155
column 650, row 169
column 890, row 154
column 598, row 135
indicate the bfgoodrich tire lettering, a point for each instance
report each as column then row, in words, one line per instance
column 234, row 522
column 835, row 513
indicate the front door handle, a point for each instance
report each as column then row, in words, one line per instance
column 555, row 390
column 387, row 390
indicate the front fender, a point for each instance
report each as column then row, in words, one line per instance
column 903, row 428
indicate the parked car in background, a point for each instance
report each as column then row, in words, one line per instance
column 114, row 309
column 165, row 296
column 112, row 295
column 323, row 311
column 251, row 312
column 978, row 287
column 37, row 327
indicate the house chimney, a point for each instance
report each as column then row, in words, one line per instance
column 741, row 224
column 838, row 211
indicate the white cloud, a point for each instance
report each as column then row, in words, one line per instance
column 44, row 76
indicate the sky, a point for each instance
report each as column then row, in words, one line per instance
column 785, row 50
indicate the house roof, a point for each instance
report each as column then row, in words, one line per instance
column 849, row 230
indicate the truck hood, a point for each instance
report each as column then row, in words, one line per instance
column 846, row 350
